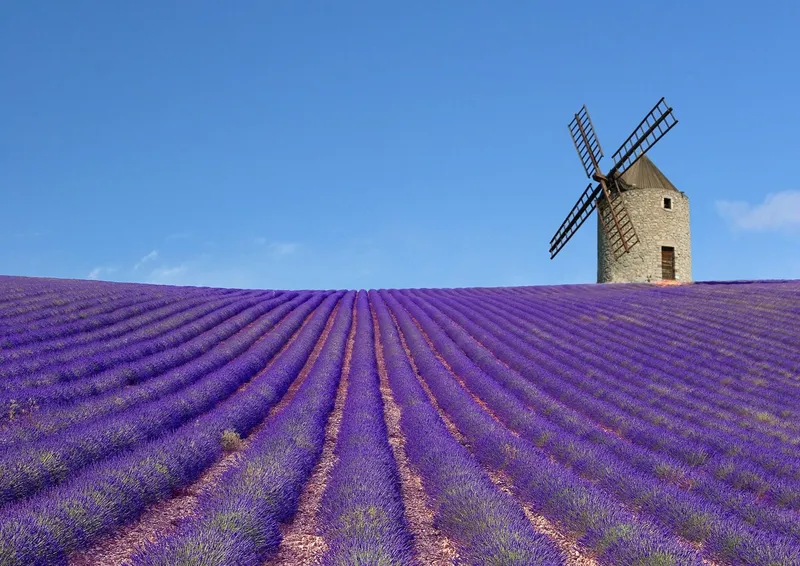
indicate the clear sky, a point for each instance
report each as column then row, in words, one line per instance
column 319, row 144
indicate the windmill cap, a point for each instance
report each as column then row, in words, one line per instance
column 645, row 175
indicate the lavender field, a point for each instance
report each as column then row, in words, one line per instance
column 583, row 424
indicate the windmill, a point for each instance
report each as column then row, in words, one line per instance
column 616, row 223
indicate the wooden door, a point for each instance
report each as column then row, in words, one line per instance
column 667, row 262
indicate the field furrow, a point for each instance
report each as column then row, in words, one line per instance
column 117, row 490
column 570, row 382
column 486, row 524
column 585, row 425
column 361, row 515
column 685, row 514
column 241, row 518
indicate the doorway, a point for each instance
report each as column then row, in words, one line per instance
column 667, row 262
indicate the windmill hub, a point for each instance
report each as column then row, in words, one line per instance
column 643, row 220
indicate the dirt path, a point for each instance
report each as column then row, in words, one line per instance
column 431, row 547
column 575, row 554
column 301, row 544
column 162, row 518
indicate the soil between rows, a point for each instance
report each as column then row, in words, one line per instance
column 163, row 517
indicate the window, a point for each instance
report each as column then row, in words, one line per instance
column 668, row 203
column 667, row 262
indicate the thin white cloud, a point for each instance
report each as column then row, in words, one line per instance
column 149, row 257
column 168, row 275
column 283, row 248
column 779, row 211
column 97, row 272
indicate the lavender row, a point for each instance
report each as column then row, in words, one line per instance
column 567, row 383
column 83, row 360
column 762, row 348
column 714, row 441
column 148, row 367
column 62, row 300
column 675, row 299
column 67, row 304
column 628, row 391
column 61, row 307
column 361, row 515
column 685, row 514
column 487, row 525
column 31, row 369
column 666, row 469
column 45, row 529
column 82, row 305
column 10, row 355
column 616, row 535
column 52, row 459
column 225, row 342
column 615, row 413
column 12, row 296
column 263, row 487
column 773, row 328
column 58, row 313
column 668, row 342
column 642, row 374
column 113, row 330
column 725, row 311
column 115, row 313
column 57, row 306
column 691, row 389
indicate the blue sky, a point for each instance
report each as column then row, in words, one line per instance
column 316, row 144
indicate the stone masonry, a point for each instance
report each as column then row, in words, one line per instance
column 656, row 227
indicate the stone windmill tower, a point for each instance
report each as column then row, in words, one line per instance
column 643, row 220
column 660, row 214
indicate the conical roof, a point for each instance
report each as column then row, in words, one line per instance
column 645, row 175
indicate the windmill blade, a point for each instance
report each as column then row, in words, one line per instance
column 616, row 222
column 586, row 143
column 658, row 122
column 576, row 217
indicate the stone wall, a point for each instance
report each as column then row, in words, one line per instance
column 655, row 227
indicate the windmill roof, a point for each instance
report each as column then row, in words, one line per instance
column 645, row 175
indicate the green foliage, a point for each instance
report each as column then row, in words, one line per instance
column 367, row 557
column 241, row 522
column 765, row 417
column 788, row 497
column 723, row 471
column 52, row 464
column 697, row 457
column 360, row 520
column 730, row 545
column 656, row 559
column 231, row 441
column 188, row 553
column 751, row 481
column 14, row 409
column 509, row 455
column 695, row 527
column 667, row 472
column 617, row 532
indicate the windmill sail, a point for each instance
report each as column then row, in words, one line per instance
column 652, row 128
column 577, row 216
column 613, row 215
column 586, row 143
column 617, row 223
